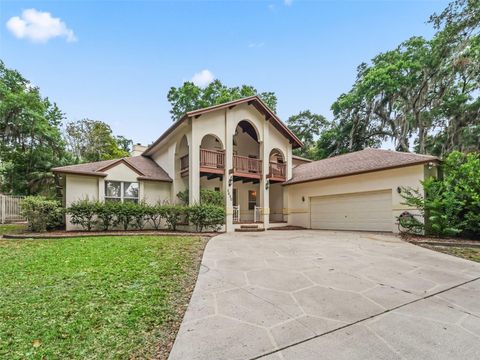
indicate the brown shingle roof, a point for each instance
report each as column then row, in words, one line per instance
column 146, row 168
column 359, row 162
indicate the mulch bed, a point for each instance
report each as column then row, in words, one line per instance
column 73, row 234
column 424, row 240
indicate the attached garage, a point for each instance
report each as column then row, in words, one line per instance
column 370, row 210
column 355, row 191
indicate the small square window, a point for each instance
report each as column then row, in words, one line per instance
column 252, row 199
column 113, row 189
column 121, row 191
column 130, row 190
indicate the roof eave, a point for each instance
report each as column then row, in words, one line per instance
column 361, row 172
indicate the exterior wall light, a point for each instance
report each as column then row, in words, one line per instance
column 230, row 180
column 303, row 198
column 267, row 184
column 399, row 189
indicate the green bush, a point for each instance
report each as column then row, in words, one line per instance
column 126, row 214
column 154, row 214
column 206, row 216
column 174, row 214
column 131, row 215
column 41, row 213
column 83, row 213
column 207, row 196
column 212, row 197
column 140, row 215
column 107, row 214
column 451, row 205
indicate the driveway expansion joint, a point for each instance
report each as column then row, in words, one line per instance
column 365, row 319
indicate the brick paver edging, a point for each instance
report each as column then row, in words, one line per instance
column 74, row 234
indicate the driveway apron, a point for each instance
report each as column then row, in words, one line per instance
column 331, row 295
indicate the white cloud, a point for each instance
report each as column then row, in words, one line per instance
column 203, row 78
column 39, row 26
column 288, row 2
column 256, row 44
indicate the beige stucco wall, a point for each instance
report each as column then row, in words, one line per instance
column 155, row 192
column 276, row 202
column 79, row 188
column 298, row 211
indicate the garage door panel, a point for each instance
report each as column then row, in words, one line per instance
column 359, row 211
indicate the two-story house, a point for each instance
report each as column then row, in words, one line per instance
column 244, row 150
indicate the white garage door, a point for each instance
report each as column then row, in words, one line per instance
column 359, row 211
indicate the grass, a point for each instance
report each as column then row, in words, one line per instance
column 468, row 253
column 94, row 298
column 11, row 228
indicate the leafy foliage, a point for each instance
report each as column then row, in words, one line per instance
column 30, row 137
column 425, row 90
column 212, row 197
column 92, row 140
column 41, row 213
column 174, row 214
column 451, row 204
column 206, row 216
column 83, row 213
column 190, row 97
column 307, row 126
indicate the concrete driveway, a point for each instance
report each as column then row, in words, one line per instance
column 282, row 295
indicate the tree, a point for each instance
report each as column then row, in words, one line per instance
column 30, row 138
column 190, row 97
column 307, row 126
column 424, row 90
column 92, row 140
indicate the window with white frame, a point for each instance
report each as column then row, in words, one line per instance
column 121, row 191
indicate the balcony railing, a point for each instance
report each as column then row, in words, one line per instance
column 277, row 171
column 246, row 166
column 212, row 159
column 184, row 163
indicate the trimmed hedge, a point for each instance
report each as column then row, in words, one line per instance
column 41, row 213
column 127, row 215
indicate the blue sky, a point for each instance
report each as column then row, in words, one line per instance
column 115, row 60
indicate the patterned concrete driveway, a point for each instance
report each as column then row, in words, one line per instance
column 282, row 295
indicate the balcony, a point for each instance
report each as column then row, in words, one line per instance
column 212, row 162
column 246, row 167
column 277, row 172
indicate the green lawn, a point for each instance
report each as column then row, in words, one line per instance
column 11, row 228
column 94, row 298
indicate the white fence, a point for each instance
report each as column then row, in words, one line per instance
column 257, row 214
column 236, row 214
column 10, row 209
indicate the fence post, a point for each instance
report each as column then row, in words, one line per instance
column 2, row 198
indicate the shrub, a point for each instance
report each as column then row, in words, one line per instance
column 183, row 196
column 139, row 215
column 451, row 205
column 83, row 213
column 155, row 213
column 41, row 213
column 174, row 214
column 212, row 197
column 126, row 214
column 206, row 216
column 107, row 214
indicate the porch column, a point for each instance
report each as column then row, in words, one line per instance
column 227, row 189
column 264, row 192
column 193, row 167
